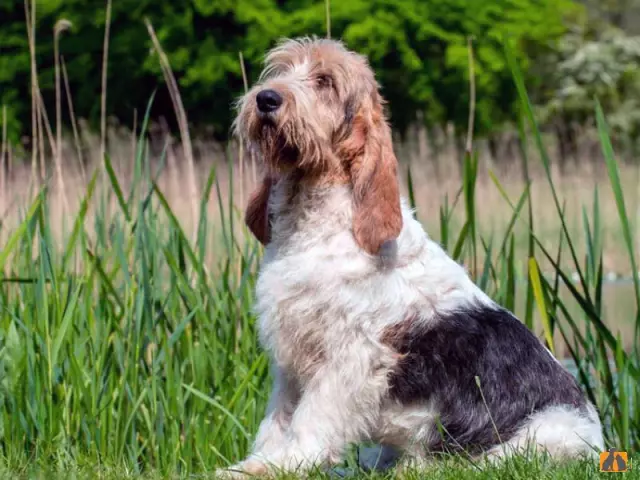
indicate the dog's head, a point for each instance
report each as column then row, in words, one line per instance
column 317, row 110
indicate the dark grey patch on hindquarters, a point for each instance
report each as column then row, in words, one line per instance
column 377, row 458
column 517, row 375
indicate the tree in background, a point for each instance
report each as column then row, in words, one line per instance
column 202, row 40
column 622, row 14
column 594, row 60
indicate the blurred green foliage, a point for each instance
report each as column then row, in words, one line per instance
column 417, row 47
column 588, row 66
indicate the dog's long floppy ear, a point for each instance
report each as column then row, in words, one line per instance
column 377, row 217
column 257, row 216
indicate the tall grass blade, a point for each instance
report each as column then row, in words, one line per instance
column 614, row 178
column 542, row 306
column 19, row 232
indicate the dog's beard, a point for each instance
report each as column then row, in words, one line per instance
column 277, row 144
column 286, row 145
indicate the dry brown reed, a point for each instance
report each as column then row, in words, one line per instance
column 433, row 157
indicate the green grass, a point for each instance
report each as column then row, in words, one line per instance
column 126, row 353
column 451, row 468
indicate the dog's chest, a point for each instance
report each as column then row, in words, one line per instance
column 301, row 314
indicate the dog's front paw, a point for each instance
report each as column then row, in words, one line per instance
column 251, row 467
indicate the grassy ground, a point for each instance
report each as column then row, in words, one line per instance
column 516, row 468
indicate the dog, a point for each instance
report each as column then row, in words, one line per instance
column 374, row 333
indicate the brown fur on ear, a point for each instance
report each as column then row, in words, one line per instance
column 377, row 217
column 256, row 216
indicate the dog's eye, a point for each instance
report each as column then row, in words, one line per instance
column 324, row 81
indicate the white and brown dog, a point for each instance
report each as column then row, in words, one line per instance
column 374, row 332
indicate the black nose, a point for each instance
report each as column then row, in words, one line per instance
column 268, row 101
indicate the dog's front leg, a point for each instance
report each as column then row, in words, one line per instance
column 340, row 405
column 284, row 397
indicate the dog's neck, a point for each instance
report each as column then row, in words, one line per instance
column 307, row 205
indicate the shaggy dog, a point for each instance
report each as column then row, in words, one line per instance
column 374, row 332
